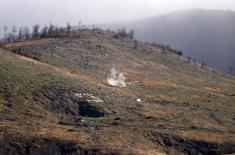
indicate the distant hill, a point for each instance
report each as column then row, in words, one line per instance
column 206, row 35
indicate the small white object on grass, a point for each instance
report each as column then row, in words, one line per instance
column 138, row 100
column 78, row 94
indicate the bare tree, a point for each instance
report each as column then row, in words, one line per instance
column 44, row 32
column 189, row 59
column 10, row 37
column 61, row 30
column 57, row 31
column 14, row 30
column 35, row 33
column 132, row 34
column 5, row 28
column 231, row 69
column 20, row 34
column 122, row 33
column 80, row 27
column 26, row 33
column 203, row 65
column 68, row 28
column 51, row 29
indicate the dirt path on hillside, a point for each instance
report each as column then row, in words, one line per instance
column 61, row 70
column 64, row 71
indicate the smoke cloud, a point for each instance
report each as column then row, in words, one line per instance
column 116, row 79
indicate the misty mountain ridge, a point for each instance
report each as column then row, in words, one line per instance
column 205, row 35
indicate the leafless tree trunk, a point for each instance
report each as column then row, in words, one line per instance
column 44, row 32
column 231, row 69
column 68, row 28
column 35, row 31
column 5, row 28
column 132, row 33
column 20, row 34
column 26, row 33
column 14, row 30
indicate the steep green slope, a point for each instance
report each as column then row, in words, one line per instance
column 54, row 95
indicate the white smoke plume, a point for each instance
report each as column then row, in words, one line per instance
column 116, row 79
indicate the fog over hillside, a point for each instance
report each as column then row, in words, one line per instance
column 206, row 35
column 30, row 12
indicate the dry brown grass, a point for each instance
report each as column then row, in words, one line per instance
column 208, row 136
column 28, row 43
column 191, row 105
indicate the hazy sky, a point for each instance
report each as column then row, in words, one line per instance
column 29, row 12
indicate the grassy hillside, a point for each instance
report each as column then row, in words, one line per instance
column 54, row 98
